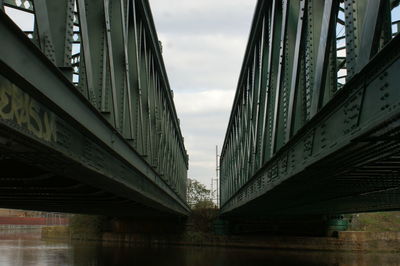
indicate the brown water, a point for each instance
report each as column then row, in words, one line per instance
column 37, row 252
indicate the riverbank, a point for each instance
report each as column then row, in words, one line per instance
column 370, row 232
column 345, row 241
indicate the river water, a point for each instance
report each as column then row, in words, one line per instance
column 33, row 251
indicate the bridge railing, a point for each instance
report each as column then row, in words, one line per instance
column 110, row 51
column 300, row 54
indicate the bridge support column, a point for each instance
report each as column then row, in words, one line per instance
column 148, row 226
column 221, row 227
column 312, row 225
column 336, row 223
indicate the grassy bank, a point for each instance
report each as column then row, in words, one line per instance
column 55, row 232
column 376, row 222
column 81, row 227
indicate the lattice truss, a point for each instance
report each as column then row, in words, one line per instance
column 290, row 110
column 110, row 51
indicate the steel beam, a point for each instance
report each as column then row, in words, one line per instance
column 323, row 54
column 294, row 84
column 369, row 32
column 86, row 51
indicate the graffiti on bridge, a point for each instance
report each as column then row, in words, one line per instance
column 19, row 107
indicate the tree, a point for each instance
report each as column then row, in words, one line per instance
column 196, row 193
column 205, row 204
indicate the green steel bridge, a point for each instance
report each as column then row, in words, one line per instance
column 87, row 119
column 315, row 124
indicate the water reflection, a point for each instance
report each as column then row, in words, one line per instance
column 238, row 257
column 34, row 252
column 37, row 252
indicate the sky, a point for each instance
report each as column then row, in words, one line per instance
column 204, row 42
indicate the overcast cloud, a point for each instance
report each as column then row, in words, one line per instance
column 203, row 48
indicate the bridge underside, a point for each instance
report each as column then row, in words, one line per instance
column 26, row 186
column 335, row 185
column 38, row 179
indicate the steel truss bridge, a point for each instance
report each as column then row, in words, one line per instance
column 315, row 123
column 87, row 120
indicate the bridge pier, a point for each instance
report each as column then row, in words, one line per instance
column 144, row 230
column 336, row 223
column 147, row 226
column 312, row 225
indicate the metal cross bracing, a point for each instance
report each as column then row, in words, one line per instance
column 315, row 121
column 95, row 73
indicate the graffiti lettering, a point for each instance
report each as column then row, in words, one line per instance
column 19, row 107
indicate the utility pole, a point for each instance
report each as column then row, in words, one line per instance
column 215, row 181
column 217, row 173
